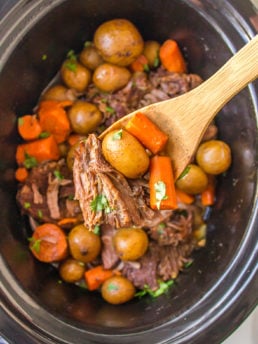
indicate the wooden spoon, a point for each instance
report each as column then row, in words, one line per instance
column 185, row 118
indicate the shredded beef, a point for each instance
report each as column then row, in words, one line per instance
column 95, row 177
column 45, row 196
column 160, row 262
column 108, row 253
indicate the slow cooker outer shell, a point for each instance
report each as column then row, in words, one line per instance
column 220, row 289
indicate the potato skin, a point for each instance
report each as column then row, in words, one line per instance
column 84, row 245
column 214, row 156
column 90, row 57
column 109, row 77
column 71, row 270
column 59, row 93
column 125, row 154
column 117, row 290
column 151, row 52
column 130, row 243
column 118, row 41
column 194, row 181
column 78, row 78
column 84, row 117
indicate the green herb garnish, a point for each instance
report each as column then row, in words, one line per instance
column 87, row 44
column 96, row 230
column 40, row 214
column 20, row 121
column 160, row 188
column 163, row 288
column 27, row 205
column 146, row 68
column 184, row 173
column 44, row 134
column 29, row 161
column 35, row 244
column 100, row 203
column 44, row 57
column 71, row 55
column 156, row 62
column 188, row 264
column 110, row 109
column 58, row 175
column 112, row 287
column 72, row 66
column 117, row 135
column 71, row 197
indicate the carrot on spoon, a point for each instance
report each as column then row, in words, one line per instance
column 147, row 132
column 162, row 184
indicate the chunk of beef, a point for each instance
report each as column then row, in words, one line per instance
column 46, row 194
column 108, row 254
column 159, row 262
column 96, row 180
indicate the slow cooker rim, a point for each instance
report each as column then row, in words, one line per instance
column 48, row 6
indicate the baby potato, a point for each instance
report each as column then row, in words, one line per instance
column 151, row 52
column 75, row 76
column 214, row 156
column 109, row 78
column 125, row 153
column 118, row 41
column 90, row 57
column 71, row 270
column 84, row 245
column 117, row 290
column 84, row 117
column 130, row 243
column 59, row 93
column 194, row 181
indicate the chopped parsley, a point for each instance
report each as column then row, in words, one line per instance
column 161, row 227
column 160, row 188
column 184, row 173
column 30, row 161
column 163, row 288
column 96, row 230
column 112, row 287
column 100, row 203
column 110, row 109
column 44, row 57
column 71, row 65
column 146, row 68
column 20, row 121
column 87, row 44
column 44, row 134
column 188, row 264
column 156, row 62
column 58, row 175
column 117, row 135
column 71, row 197
column 40, row 214
column 27, row 205
column 35, row 244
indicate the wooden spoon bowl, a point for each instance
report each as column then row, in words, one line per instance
column 185, row 118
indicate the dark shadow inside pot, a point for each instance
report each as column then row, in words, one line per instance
column 23, row 78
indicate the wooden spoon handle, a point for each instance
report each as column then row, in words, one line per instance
column 240, row 70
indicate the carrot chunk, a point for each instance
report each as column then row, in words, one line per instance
column 96, row 276
column 29, row 127
column 208, row 195
column 21, row 174
column 162, row 184
column 53, row 118
column 140, row 64
column 171, row 57
column 184, row 197
column 48, row 243
column 147, row 132
column 40, row 150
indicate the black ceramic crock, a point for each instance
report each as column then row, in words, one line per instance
column 217, row 293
